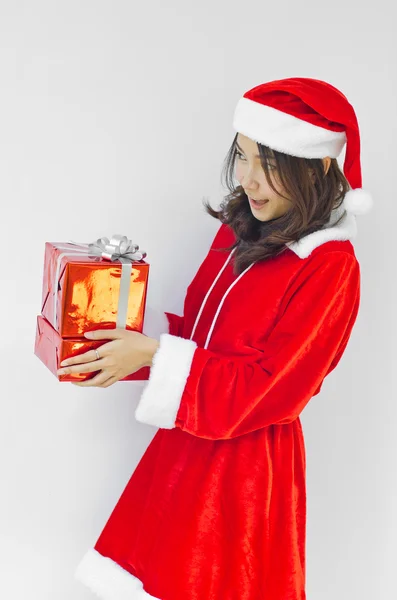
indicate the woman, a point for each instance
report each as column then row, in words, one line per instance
column 216, row 508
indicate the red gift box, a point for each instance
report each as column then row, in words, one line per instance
column 102, row 285
column 52, row 349
column 94, row 286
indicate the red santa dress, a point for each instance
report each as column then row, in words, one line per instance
column 216, row 507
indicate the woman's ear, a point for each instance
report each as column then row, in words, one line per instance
column 327, row 164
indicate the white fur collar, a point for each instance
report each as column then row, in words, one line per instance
column 345, row 230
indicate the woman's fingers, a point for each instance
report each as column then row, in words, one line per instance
column 110, row 381
column 88, row 367
column 100, row 380
column 82, row 358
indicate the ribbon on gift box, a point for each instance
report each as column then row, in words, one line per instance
column 118, row 248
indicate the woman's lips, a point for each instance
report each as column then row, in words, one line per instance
column 256, row 204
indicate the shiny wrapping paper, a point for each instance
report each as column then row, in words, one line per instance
column 82, row 292
column 100, row 285
column 52, row 349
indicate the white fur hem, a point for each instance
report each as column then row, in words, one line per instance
column 108, row 580
column 161, row 397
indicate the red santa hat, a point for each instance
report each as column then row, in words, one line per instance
column 308, row 118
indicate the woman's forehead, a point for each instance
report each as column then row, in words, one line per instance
column 245, row 143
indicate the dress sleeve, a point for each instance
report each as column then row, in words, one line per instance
column 214, row 396
column 175, row 324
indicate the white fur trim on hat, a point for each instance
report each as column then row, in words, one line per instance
column 286, row 133
column 358, row 201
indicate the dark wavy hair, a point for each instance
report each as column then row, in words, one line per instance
column 312, row 203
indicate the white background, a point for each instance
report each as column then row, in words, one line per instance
column 116, row 118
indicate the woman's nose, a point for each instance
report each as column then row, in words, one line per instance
column 248, row 182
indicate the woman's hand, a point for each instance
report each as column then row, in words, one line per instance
column 128, row 352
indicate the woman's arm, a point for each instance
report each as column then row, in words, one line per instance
column 166, row 323
column 214, row 396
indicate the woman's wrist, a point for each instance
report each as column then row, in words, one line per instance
column 152, row 347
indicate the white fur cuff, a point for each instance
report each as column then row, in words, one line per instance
column 161, row 397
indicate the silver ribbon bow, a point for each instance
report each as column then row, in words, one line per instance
column 118, row 248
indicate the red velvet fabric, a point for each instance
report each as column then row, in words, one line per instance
column 216, row 508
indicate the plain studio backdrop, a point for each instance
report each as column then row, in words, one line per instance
column 116, row 118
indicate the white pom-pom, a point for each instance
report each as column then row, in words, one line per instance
column 358, row 201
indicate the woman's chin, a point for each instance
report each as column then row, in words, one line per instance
column 262, row 217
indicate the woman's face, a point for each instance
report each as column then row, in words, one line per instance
column 251, row 176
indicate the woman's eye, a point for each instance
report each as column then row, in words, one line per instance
column 240, row 157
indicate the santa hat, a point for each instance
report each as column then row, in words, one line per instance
column 308, row 118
